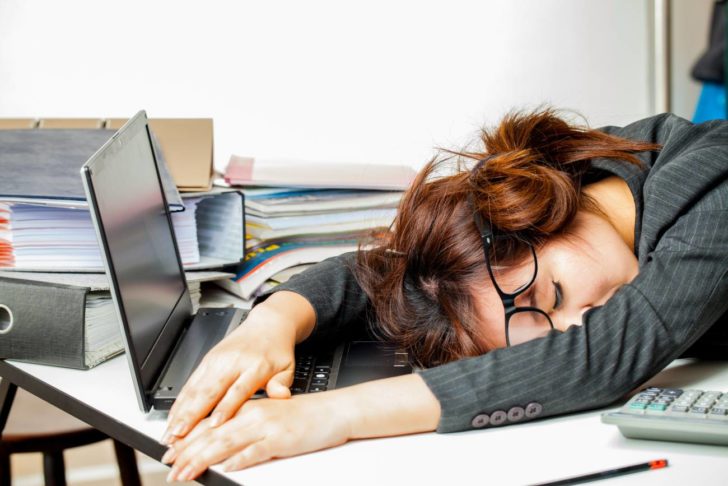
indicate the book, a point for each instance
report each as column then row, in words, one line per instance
column 250, row 171
column 57, row 235
column 66, row 320
column 267, row 260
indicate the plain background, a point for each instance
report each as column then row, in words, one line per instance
column 376, row 81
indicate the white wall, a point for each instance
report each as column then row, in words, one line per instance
column 354, row 81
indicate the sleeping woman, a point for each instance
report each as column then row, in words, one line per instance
column 552, row 268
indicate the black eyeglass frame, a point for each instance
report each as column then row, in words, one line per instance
column 509, row 299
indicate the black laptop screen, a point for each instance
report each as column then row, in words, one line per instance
column 140, row 242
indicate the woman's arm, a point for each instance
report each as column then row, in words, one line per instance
column 265, row 429
column 321, row 304
column 331, row 289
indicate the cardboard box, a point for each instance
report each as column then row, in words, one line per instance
column 16, row 123
column 187, row 144
column 71, row 123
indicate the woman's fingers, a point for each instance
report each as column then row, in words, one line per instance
column 173, row 450
column 238, row 393
column 199, row 395
column 280, row 385
column 255, row 453
column 210, row 447
column 262, row 429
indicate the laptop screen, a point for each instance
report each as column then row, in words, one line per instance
column 141, row 248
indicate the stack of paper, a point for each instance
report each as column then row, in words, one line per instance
column 306, row 213
column 62, row 237
column 249, row 171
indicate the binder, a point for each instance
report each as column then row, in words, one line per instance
column 46, row 164
column 66, row 320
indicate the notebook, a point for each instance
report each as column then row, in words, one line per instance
column 164, row 341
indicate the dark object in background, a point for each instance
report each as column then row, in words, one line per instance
column 710, row 67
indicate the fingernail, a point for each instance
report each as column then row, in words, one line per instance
column 216, row 419
column 166, row 438
column 171, row 475
column 186, row 473
column 168, row 456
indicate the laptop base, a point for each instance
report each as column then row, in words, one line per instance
column 207, row 328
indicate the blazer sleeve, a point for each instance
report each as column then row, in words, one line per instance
column 340, row 304
column 679, row 293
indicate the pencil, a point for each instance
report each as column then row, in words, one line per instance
column 609, row 473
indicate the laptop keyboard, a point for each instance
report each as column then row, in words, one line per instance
column 311, row 374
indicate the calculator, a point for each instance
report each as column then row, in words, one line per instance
column 674, row 414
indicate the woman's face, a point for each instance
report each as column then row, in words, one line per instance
column 576, row 272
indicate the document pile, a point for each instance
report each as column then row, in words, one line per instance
column 300, row 213
column 55, row 303
column 45, row 224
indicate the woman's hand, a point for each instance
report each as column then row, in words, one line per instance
column 259, row 354
column 268, row 428
column 262, row 429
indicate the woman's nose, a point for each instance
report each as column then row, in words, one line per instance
column 566, row 318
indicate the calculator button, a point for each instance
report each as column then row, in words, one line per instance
column 698, row 411
column 718, row 411
column 679, row 408
column 656, row 407
column 672, row 392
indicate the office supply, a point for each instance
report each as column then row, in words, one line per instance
column 291, row 201
column 674, row 414
column 187, row 144
column 42, row 165
column 262, row 262
column 16, row 123
column 65, row 123
column 287, row 227
column 164, row 341
column 249, row 171
column 610, row 473
column 44, row 219
column 65, row 319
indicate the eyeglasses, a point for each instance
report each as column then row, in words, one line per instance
column 523, row 323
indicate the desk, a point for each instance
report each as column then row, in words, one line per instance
column 517, row 454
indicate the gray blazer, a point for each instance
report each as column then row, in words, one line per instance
column 676, row 304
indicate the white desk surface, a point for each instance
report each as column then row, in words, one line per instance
column 527, row 453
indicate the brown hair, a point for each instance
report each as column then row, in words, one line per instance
column 421, row 276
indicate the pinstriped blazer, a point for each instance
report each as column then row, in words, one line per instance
column 676, row 305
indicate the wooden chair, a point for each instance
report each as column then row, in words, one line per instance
column 28, row 424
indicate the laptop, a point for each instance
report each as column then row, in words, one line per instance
column 164, row 341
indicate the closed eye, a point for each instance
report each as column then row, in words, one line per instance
column 558, row 295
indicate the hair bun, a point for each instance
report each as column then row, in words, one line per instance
column 530, row 182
